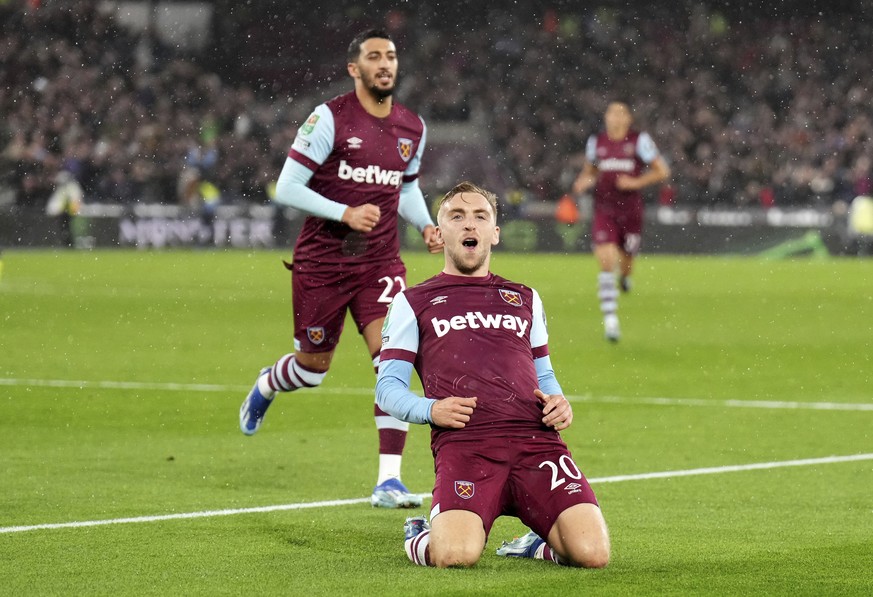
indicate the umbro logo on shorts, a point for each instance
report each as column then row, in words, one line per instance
column 573, row 488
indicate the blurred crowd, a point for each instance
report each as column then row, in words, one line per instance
column 130, row 119
column 756, row 111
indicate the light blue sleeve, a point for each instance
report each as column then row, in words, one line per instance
column 413, row 207
column 546, row 376
column 539, row 336
column 415, row 163
column 591, row 149
column 291, row 190
column 315, row 136
column 646, row 148
column 394, row 396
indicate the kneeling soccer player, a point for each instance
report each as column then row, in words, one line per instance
column 479, row 345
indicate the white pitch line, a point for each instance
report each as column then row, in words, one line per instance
column 732, row 403
column 330, row 503
column 716, row 470
column 122, row 385
column 195, row 387
column 202, row 514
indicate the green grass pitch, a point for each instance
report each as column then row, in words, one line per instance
column 121, row 374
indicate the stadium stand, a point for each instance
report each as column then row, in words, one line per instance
column 769, row 110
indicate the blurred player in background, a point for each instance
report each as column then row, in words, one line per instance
column 353, row 167
column 65, row 204
column 480, row 347
column 619, row 162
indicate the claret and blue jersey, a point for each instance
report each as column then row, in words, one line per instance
column 356, row 158
column 468, row 336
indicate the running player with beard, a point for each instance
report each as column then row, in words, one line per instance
column 480, row 347
column 619, row 162
column 352, row 168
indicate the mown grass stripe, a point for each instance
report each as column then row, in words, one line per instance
column 346, row 502
column 650, row 400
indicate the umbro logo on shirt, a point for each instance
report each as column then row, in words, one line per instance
column 355, row 143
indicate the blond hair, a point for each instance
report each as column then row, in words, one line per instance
column 469, row 187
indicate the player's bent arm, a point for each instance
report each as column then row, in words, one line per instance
column 557, row 411
column 291, row 190
column 546, row 376
column 394, row 396
column 586, row 179
column 412, row 206
column 659, row 169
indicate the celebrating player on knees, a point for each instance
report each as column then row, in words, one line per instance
column 479, row 345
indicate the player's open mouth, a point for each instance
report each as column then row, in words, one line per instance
column 470, row 242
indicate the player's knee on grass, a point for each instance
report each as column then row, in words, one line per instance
column 457, row 539
column 454, row 553
column 584, row 552
column 580, row 537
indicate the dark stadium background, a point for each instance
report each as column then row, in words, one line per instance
column 761, row 108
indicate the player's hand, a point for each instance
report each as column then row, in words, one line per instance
column 453, row 412
column 623, row 182
column 558, row 412
column 432, row 240
column 582, row 184
column 362, row 218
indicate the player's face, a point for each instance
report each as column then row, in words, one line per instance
column 376, row 67
column 618, row 119
column 468, row 228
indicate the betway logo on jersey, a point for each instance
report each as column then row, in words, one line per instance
column 616, row 165
column 370, row 175
column 476, row 320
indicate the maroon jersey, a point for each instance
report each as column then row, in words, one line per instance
column 474, row 337
column 627, row 156
column 356, row 158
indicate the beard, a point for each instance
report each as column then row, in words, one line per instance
column 380, row 93
column 377, row 92
column 467, row 268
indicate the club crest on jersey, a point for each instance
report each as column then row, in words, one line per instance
column 465, row 489
column 404, row 148
column 309, row 124
column 511, row 296
column 316, row 334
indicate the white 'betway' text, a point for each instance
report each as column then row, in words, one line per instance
column 370, row 175
column 475, row 320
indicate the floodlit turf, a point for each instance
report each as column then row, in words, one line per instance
column 121, row 374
